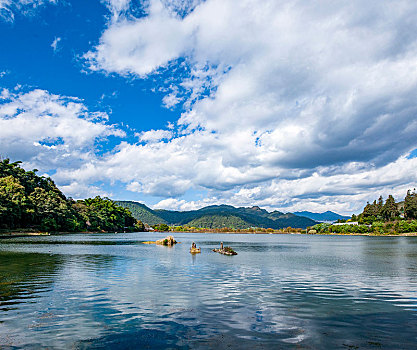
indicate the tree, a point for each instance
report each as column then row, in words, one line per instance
column 103, row 214
column 161, row 227
column 12, row 196
column 139, row 226
column 390, row 209
column 51, row 211
column 410, row 205
column 379, row 207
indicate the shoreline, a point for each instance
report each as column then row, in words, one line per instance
column 405, row 234
column 14, row 234
column 40, row 233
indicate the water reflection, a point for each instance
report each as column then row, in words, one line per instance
column 25, row 276
column 279, row 292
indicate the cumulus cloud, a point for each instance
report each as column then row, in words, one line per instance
column 278, row 92
column 181, row 204
column 286, row 104
column 49, row 131
column 82, row 190
column 170, row 100
column 154, row 135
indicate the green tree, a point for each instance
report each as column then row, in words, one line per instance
column 410, row 205
column 161, row 227
column 12, row 198
column 139, row 226
column 369, row 214
column 390, row 209
column 379, row 207
column 102, row 214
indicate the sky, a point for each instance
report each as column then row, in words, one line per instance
column 289, row 105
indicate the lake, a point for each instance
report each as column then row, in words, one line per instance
column 280, row 292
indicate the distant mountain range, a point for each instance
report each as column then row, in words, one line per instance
column 326, row 216
column 218, row 216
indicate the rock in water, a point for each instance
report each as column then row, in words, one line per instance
column 168, row 241
column 225, row 251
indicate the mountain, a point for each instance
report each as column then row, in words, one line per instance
column 217, row 216
column 142, row 212
column 326, row 216
column 218, row 221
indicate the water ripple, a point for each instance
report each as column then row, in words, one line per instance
column 280, row 291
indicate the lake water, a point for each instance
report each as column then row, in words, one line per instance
column 279, row 292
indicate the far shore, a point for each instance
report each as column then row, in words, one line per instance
column 28, row 233
column 408, row 234
column 15, row 234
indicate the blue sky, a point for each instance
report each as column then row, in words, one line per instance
column 180, row 104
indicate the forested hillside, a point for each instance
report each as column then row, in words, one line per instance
column 143, row 212
column 326, row 216
column 218, row 216
column 218, row 221
column 31, row 201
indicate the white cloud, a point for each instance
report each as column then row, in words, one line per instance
column 148, row 54
column 181, row 204
column 117, row 7
column 344, row 193
column 81, row 190
column 170, row 100
column 8, row 8
column 49, row 132
column 276, row 92
column 54, row 44
column 154, row 135
column 286, row 104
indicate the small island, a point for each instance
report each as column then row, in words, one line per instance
column 168, row 241
column 194, row 249
column 224, row 250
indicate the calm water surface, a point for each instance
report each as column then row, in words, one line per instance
column 279, row 292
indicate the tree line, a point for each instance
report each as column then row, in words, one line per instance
column 390, row 210
column 29, row 201
column 379, row 217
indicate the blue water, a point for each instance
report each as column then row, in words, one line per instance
column 280, row 292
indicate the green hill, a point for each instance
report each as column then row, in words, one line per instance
column 218, row 216
column 142, row 212
column 218, row 221
column 326, row 216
